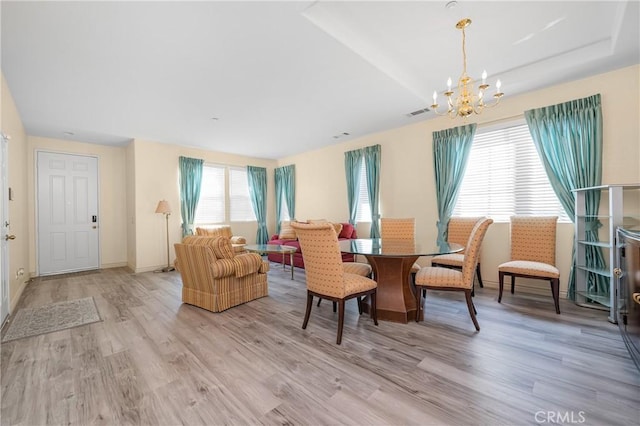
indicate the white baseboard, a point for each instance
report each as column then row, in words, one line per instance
column 16, row 299
column 113, row 265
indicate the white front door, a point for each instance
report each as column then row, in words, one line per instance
column 5, row 235
column 67, row 188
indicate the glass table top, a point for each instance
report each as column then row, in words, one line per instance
column 389, row 247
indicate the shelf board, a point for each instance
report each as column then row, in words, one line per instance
column 595, row 243
column 595, row 298
column 603, row 272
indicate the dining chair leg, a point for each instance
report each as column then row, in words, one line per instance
column 374, row 307
column 319, row 300
column 555, row 290
column 472, row 313
column 419, row 293
column 334, row 306
column 513, row 284
column 340, row 320
column 501, row 285
column 359, row 300
column 479, row 275
column 308, row 312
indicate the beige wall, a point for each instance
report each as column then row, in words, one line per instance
column 407, row 180
column 112, row 202
column 156, row 178
column 11, row 125
column 131, row 198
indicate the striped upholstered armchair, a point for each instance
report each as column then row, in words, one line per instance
column 214, row 277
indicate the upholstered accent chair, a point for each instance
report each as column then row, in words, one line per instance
column 214, row 277
column 325, row 272
column 533, row 253
column 399, row 229
column 237, row 242
column 362, row 269
column 437, row 278
column 458, row 231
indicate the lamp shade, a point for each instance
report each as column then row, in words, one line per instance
column 163, row 207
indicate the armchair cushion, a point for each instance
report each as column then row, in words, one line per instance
column 221, row 268
column 247, row 263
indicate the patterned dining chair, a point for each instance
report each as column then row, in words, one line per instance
column 533, row 254
column 436, row 278
column 399, row 229
column 458, row 231
column 325, row 274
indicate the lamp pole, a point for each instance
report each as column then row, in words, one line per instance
column 169, row 267
column 163, row 207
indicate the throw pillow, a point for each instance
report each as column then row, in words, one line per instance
column 317, row 220
column 222, row 248
column 337, row 227
column 347, row 231
column 286, row 231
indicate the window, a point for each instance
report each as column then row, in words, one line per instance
column 364, row 206
column 211, row 206
column 240, row 207
column 224, row 196
column 505, row 177
column 284, row 209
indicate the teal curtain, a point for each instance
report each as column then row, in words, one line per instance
column 451, row 149
column 352, row 164
column 568, row 138
column 285, row 182
column 190, row 181
column 372, row 164
column 257, row 177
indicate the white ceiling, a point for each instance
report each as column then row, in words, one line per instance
column 270, row 79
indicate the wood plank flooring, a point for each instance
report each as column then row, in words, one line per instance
column 154, row 361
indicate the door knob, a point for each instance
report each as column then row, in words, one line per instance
column 9, row 237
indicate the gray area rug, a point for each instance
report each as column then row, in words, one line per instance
column 53, row 317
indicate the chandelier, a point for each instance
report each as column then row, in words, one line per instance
column 467, row 101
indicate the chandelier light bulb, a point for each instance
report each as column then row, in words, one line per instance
column 435, row 97
column 498, row 86
column 449, row 83
column 484, row 76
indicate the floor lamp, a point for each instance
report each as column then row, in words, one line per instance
column 163, row 207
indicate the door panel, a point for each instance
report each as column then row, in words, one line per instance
column 4, row 225
column 67, row 200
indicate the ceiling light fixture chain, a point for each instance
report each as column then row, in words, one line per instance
column 467, row 102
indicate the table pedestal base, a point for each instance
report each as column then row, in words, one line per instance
column 396, row 300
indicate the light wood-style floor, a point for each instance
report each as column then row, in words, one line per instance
column 156, row 361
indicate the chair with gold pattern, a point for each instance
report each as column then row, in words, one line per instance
column 325, row 273
column 435, row 278
column 533, row 253
column 458, row 231
column 404, row 229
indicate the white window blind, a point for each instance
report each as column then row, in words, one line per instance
column 240, row 208
column 364, row 206
column 284, row 209
column 211, row 206
column 505, row 177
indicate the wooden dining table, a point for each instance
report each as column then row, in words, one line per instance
column 391, row 261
